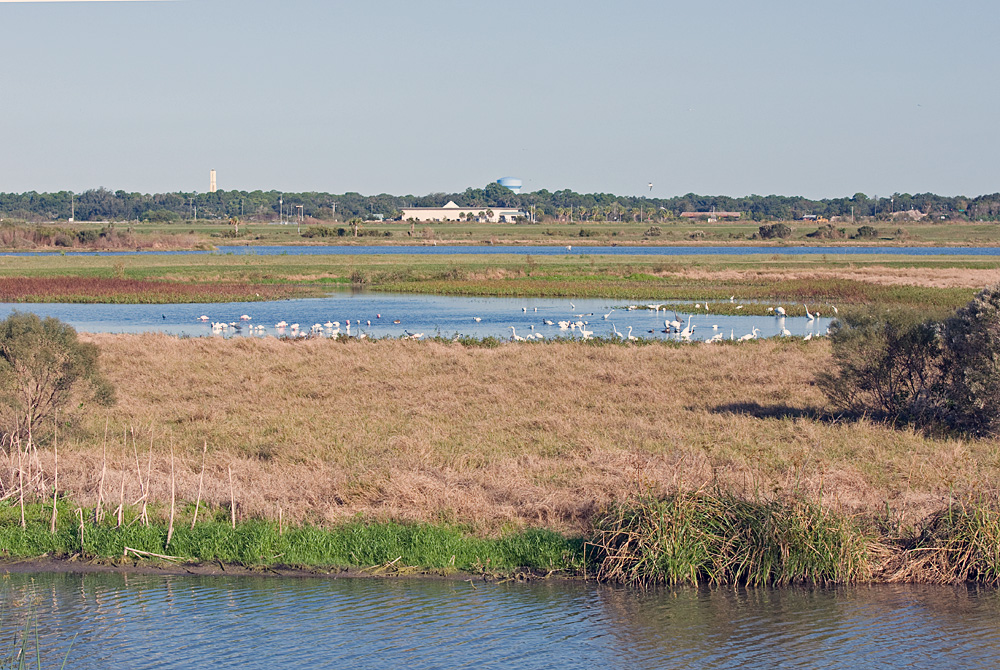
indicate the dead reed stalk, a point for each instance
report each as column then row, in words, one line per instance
column 20, row 480
column 98, row 511
column 201, row 482
column 55, row 480
column 232, row 498
column 173, row 496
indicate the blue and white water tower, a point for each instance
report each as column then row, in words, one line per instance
column 512, row 183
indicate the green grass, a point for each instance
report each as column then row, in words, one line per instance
column 691, row 538
column 672, row 232
column 719, row 538
column 258, row 543
column 628, row 278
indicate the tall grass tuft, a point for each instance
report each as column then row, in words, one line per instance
column 957, row 544
column 721, row 538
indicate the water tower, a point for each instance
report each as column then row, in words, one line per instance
column 513, row 183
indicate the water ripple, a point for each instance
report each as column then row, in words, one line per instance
column 151, row 622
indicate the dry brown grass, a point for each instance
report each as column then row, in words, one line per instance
column 540, row 434
column 928, row 277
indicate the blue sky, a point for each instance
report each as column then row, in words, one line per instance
column 714, row 97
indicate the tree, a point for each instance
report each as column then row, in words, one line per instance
column 42, row 366
column 971, row 366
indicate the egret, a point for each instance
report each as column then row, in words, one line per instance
column 807, row 337
column 514, row 336
column 244, row 317
column 203, row 318
column 631, row 337
column 549, row 322
column 615, row 330
column 750, row 336
column 808, row 315
column 780, row 311
column 524, row 309
column 609, row 313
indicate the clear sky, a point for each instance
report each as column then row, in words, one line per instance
column 822, row 99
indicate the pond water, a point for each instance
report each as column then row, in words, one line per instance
column 444, row 249
column 376, row 314
column 112, row 621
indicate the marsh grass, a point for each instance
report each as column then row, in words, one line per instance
column 957, row 544
column 945, row 282
column 722, row 538
column 388, row 546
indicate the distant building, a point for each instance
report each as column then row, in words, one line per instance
column 452, row 212
column 710, row 215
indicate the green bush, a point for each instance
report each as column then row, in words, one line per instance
column 887, row 365
column 772, row 231
column 909, row 368
column 971, row 366
column 42, row 366
column 828, row 232
column 866, row 233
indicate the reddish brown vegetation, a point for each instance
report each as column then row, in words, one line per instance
column 106, row 289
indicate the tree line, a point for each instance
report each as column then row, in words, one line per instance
column 563, row 205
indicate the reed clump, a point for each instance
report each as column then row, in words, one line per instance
column 721, row 538
column 960, row 543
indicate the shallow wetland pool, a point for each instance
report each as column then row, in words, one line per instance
column 141, row 621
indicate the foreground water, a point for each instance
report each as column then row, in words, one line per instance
column 122, row 621
column 377, row 314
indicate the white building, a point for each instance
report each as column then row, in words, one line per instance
column 452, row 212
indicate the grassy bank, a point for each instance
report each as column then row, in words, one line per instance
column 693, row 538
column 200, row 234
column 493, row 441
column 926, row 282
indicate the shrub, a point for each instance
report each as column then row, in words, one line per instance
column 42, row 365
column 888, row 365
column 828, row 232
column 653, row 231
column 88, row 236
column 971, row 365
column 772, row 231
column 935, row 373
column 866, row 232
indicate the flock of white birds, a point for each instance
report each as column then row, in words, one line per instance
column 575, row 324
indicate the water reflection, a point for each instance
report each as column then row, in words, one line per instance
column 143, row 621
